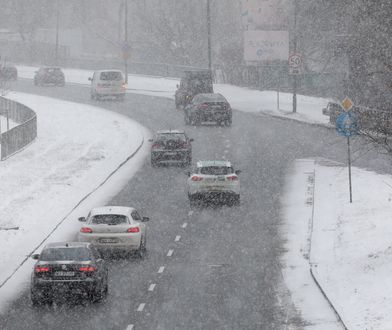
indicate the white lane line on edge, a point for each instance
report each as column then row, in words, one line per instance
column 151, row 287
column 141, row 307
column 170, row 253
column 184, row 225
column 161, row 269
column 178, row 237
column 129, row 327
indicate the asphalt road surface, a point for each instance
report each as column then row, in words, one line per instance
column 214, row 267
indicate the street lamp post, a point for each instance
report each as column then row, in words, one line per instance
column 295, row 52
column 126, row 50
column 209, row 34
column 56, row 54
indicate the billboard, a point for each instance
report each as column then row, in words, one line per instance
column 265, row 14
column 266, row 46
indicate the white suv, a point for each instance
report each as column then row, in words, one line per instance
column 214, row 180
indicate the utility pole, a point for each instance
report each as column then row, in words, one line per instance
column 295, row 52
column 209, row 34
column 56, row 54
column 126, row 47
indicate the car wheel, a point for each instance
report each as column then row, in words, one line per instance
column 154, row 163
column 186, row 118
column 236, row 200
column 141, row 251
column 228, row 122
column 35, row 300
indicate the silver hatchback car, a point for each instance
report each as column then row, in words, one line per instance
column 115, row 229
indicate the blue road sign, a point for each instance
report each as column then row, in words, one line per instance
column 347, row 124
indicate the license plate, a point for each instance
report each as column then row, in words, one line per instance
column 65, row 274
column 108, row 240
column 214, row 188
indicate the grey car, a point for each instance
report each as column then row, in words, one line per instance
column 171, row 147
column 209, row 107
column 68, row 269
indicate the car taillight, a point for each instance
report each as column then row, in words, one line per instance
column 196, row 178
column 203, row 106
column 124, row 86
column 232, row 178
column 87, row 269
column 41, row 269
column 86, row 230
column 133, row 230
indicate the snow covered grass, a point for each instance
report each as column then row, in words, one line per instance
column 350, row 249
column 77, row 148
column 309, row 109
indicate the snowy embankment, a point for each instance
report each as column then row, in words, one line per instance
column 78, row 147
column 347, row 245
column 309, row 109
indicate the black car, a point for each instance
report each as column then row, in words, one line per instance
column 206, row 108
column 171, row 147
column 49, row 76
column 64, row 269
column 8, row 71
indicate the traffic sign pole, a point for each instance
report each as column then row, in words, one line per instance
column 349, row 168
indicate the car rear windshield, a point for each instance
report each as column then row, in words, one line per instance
column 111, row 75
column 66, row 253
column 171, row 137
column 109, row 219
column 216, row 170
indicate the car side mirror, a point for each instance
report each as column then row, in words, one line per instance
column 145, row 219
column 35, row 256
column 90, row 79
column 82, row 219
column 237, row 172
column 191, row 140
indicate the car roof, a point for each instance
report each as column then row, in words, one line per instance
column 108, row 70
column 206, row 163
column 118, row 210
column 67, row 244
column 211, row 97
column 171, row 131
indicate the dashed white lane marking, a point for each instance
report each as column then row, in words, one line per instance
column 184, row 225
column 161, row 269
column 190, row 213
column 178, row 237
column 129, row 327
column 151, row 287
column 141, row 307
column 170, row 253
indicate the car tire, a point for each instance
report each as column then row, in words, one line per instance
column 236, row 200
column 141, row 251
column 228, row 122
column 186, row 118
column 35, row 299
column 154, row 163
column 193, row 202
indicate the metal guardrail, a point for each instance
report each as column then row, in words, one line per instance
column 21, row 135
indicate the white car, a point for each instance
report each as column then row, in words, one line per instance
column 108, row 83
column 214, row 180
column 115, row 229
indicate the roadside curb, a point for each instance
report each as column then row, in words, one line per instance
column 310, row 264
column 73, row 209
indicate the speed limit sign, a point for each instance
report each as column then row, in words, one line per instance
column 295, row 64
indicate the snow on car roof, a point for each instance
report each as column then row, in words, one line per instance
column 118, row 210
column 205, row 163
column 171, row 131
